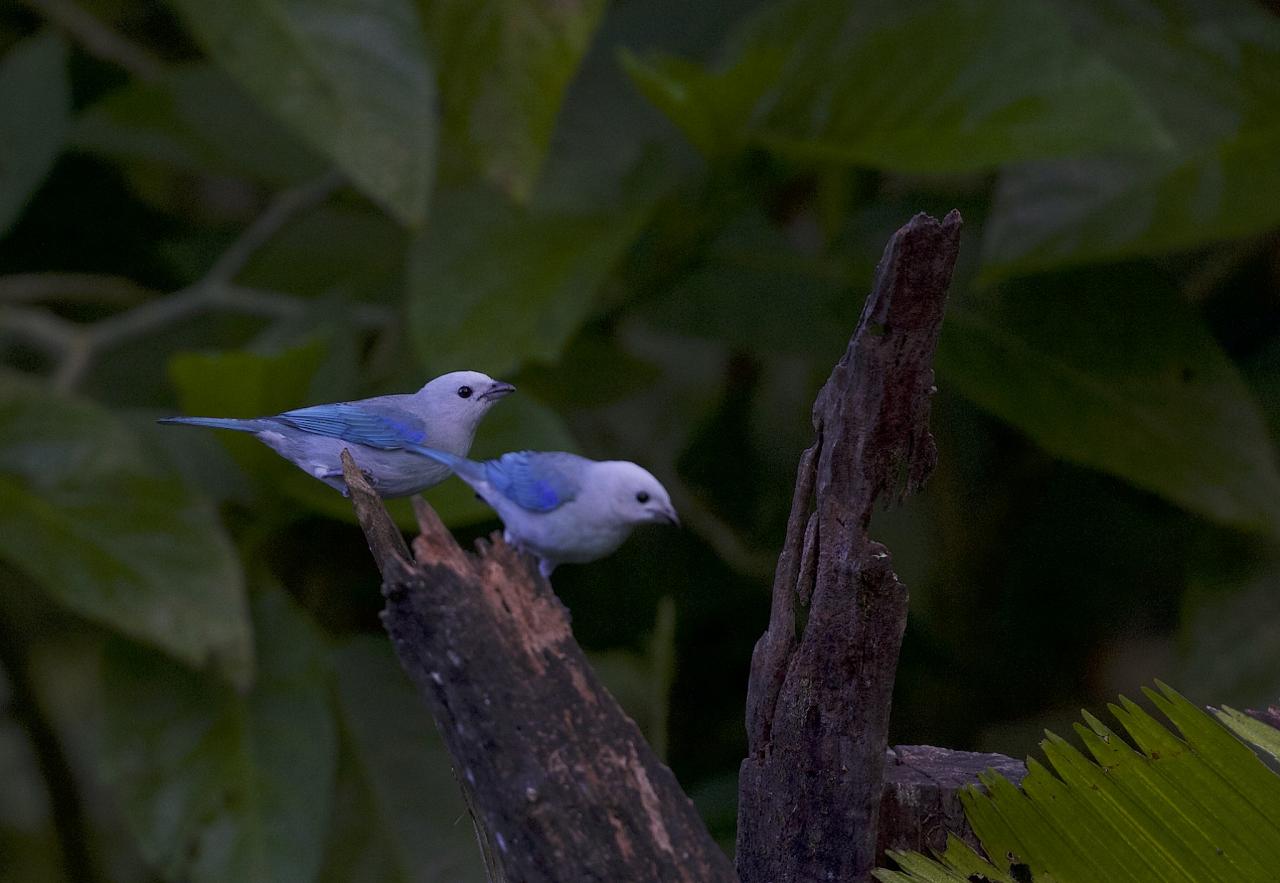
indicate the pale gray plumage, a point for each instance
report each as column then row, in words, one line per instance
column 382, row 433
column 564, row 508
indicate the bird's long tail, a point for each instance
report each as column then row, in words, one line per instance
column 215, row 423
column 464, row 468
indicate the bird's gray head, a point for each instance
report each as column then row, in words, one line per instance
column 462, row 398
column 635, row 496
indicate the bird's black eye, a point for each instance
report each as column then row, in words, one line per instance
column 642, row 497
column 464, row 392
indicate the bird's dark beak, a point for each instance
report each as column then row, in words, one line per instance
column 497, row 391
column 669, row 516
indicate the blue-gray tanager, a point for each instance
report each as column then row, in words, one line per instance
column 381, row 432
column 561, row 507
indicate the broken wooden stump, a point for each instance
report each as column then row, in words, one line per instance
column 921, row 804
column 560, row 781
column 818, row 699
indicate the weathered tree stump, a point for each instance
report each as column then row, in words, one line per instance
column 921, row 804
column 562, row 784
column 818, row 702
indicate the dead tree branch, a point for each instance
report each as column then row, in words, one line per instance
column 560, row 779
column 818, row 702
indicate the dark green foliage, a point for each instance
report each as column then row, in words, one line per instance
column 659, row 220
column 219, row 785
column 1143, row 391
column 34, row 88
column 112, row 536
column 351, row 79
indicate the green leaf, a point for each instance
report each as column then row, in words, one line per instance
column 508, row 63
column 196, row 120
column 1229, row 612
column 594, row 370
column 352, row 77
column 922, row 86
column 413, row 795
column 221, row 786
column 1112, row 371
column 35, row 100
column 1067, row 214
column 360, row 848
column 733, row 292
column 354, row 252
column 713, row 108
column 1197, row 808
column 87, row 513
column 30, row 856
column 958, row 864
column 1251, row 730
column 1213, row 74
column 492, row 285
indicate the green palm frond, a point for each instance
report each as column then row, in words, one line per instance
column 1252, row 730
column 1192, row 808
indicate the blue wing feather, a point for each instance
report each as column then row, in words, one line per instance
column 536, row 480
column 358, row 425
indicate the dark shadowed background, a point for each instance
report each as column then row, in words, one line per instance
column 659, row 220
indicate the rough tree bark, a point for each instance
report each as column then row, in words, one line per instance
column 818, row 701
column 921, row 804
column 562, row 784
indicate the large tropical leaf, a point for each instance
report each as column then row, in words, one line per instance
column 734, row 291
column 508, row 64
column 1111, row 370
column 352, row 77
column 113, row 536
column 218, row 785
column 421, row 832
column 1212, row 73
column 35, row 102
column 1197, row 807
column 194, row 119
column 926, row 85
column 1229, row 613
column 492, row 284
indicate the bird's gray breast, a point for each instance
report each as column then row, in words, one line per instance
column 392, row 473
column 573, row 533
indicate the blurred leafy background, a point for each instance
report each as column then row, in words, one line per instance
column 659, row 220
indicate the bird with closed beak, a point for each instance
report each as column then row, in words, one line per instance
column 560, row 507
column 383, row 433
